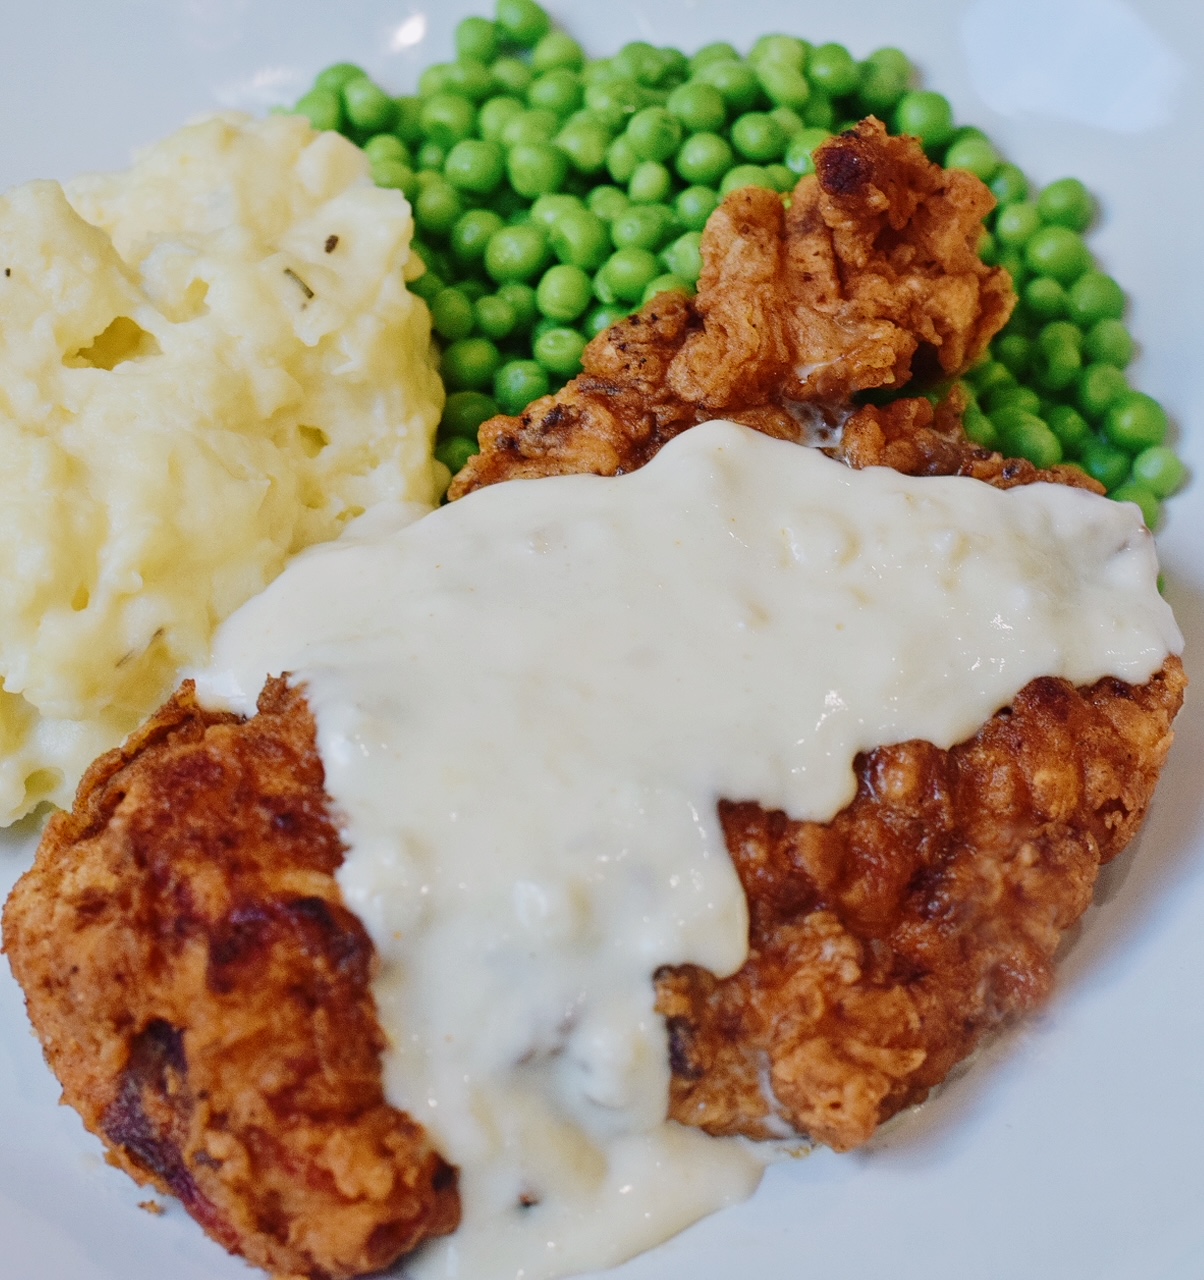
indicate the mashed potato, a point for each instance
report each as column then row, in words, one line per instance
column 206, row 364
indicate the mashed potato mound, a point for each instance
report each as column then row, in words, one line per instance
column 206, row 364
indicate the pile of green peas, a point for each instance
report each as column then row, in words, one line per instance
column 555, row 194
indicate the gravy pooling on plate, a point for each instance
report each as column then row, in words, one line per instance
column 528, row 704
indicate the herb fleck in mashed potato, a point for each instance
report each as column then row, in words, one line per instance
column 206, row 364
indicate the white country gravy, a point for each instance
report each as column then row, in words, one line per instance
column 528, row 704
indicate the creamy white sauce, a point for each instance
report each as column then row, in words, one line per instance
column 528, row 704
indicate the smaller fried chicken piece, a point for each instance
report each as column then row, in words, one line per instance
column 886, row 944
column 203, row 995
column 870, row 276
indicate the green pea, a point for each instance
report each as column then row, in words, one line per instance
column 585, row 143
column 641, row 62
column 1071, row 428
column 396, row 176
column 783, row 179
column 700, row 107
column 407, row 127
column 800, row 150
column 1067, row 203
column 464, row 412
column 437, row 208
column 559, row 91
column 386, row 146
column 447, row 118
column 704, row 158
column 602, row 318
column 1014, row 351
column 559, row 351
column 628, row 272
column 535, row 169
column 476, row 38
column 472, row 79
column 788, row 50
column 367, row 107
column 1058, row 252
column 607, row 202
column 925, row 115
column 1016, row 223
column 1010, row 396
column 428, row 286
column 333, row 78
column 496, row 114
column 517, row 383
column 758, row 137
column 831, row 68
column 531, row 129
column 564, row 293
column 736, row 81
column 719, row 51
column 469, row 365
column 513, row 75
column 1151, row 508
column 494, row 317
column 819, row 113
column 990, row 374
column 434, row 80
column 523, row 22
column 1012, row 261
column 988, row 248
column 472, row 233
column 556, row 50
column 1109, row 342
column 784, row 85
column 522, row 298
column 745, row 175
column 1159, row 470
column 975, row 155
column 683, row 257
column 642, row 226
column 455, row 451
column 651, row 183
column 581, row 239
column 654, row 133
column 614, row 101
column 474, row 165
column 668, row 283
column 1135, row 421
column 789, row 121
column 516, row 253
column 1045, row 298
column 323, row 108
column 885, row 76
column 694, row 206
column 1099, row 386
column 1107, row 464
column 621, row 160
column 1094, row 297
column 473, row 289
column 980, row 429
column 1009, row 185
column 1026, row 436
column 549, row 209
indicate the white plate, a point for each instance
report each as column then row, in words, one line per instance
column 1073, row 1148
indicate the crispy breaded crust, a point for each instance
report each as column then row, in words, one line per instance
column 871, row 276
column 202, row 994
column 886, row 944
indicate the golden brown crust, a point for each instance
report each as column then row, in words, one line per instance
column 202, row 993
column 885, row 944
column 871, row 276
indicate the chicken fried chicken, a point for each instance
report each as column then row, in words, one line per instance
column 203, row 995
column 871, row 277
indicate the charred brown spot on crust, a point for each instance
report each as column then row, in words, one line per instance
column 843, row 171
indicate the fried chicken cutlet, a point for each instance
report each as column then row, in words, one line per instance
column 203, row 995
column 214, row 1024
